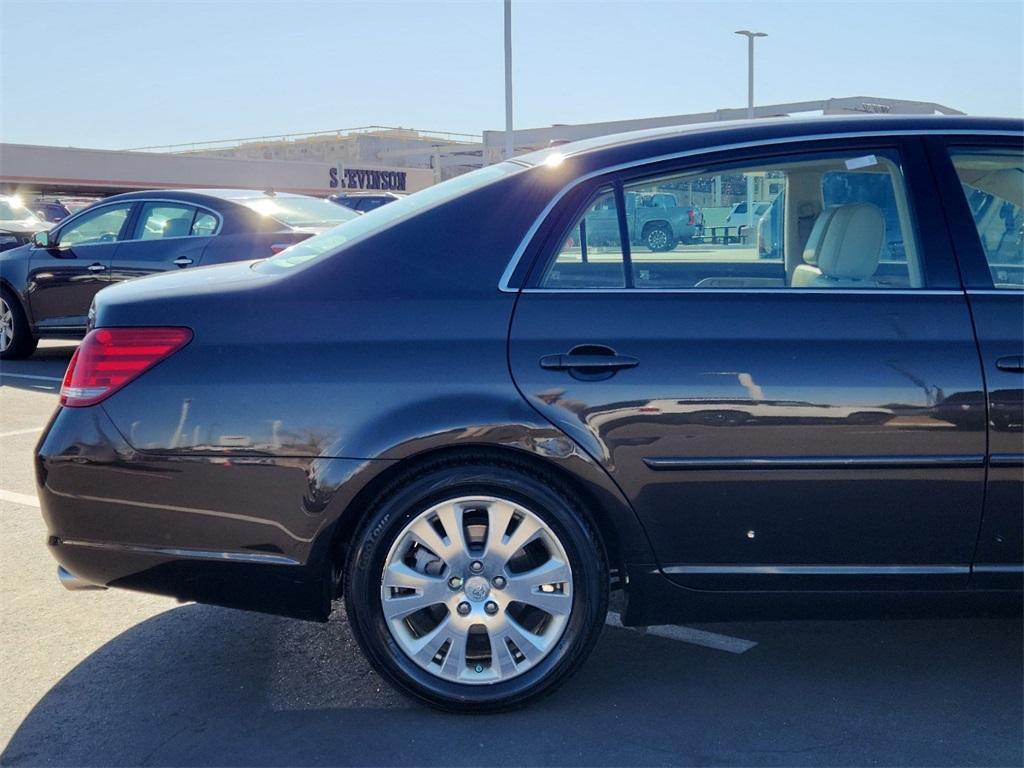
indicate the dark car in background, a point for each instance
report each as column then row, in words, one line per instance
column 48, row 285
column 53, row 211
column 364, row 201
column 473, row 429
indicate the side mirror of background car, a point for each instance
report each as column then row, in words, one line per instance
column 42, row 240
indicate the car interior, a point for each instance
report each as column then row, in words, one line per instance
column 845, row 223
column 994, row 186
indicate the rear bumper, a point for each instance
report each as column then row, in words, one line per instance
column 244, row 532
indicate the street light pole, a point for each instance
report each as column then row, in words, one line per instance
column 750, row 113
column 509, row 148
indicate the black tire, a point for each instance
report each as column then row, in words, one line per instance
column 23, row 342
column 407, row 498
column 659, row 238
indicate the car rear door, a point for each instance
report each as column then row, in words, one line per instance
column 982, row 183
column 768, row 435
column 64, row 278
column 165, row 235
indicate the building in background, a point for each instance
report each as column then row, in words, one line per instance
column 354, row 159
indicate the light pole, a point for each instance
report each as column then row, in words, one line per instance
column 508, row 79
column 750, row 113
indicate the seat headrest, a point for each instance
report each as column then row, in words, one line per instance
column 852, row 243
column 817, row 236
column 177, row 227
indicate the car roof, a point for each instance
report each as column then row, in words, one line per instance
column 644, row 142
column 200, row 194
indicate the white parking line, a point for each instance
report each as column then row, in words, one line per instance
column 30, row 376
column 19, row 498
column 28, row 431
column 689, row 635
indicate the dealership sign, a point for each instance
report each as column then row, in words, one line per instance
column 361, row 178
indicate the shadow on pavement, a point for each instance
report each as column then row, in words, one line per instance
column 207, row 686
column 43, row 371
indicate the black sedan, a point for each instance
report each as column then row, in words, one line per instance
column 475, row 439
column 46, row 286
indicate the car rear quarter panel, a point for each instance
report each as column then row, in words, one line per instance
column 299, row 390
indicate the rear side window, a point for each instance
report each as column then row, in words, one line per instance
column 160, row 220
column 811, row 221
column 204, row 224
column 993, row 183
column 591, row 254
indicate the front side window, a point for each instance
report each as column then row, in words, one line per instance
column 994, row 185
column 812, row 221
column 100, row 226
column 160, row 220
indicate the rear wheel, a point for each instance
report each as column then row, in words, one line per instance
column 476, row 586
column 16, row 339
column 659, row 238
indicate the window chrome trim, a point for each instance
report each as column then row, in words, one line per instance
column 765, row 291
column 97, row 206
column 517, row 256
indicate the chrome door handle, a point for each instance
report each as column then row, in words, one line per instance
column 182, row 261
column 591, row 362
column 96, row 267
column 1013, row 363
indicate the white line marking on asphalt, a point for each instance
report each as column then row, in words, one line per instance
column 28, row 431
column 29, row 376
column 19, row 498
column 688, row 635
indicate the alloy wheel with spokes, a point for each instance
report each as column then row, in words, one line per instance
column 6, row 325
column 16, row 339
column 476, row 589
column 476, row 585
column 659, row 238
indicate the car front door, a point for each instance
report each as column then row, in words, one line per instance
column 64, row 277
column 811, row 421
column 165, row 235
column 983, row 189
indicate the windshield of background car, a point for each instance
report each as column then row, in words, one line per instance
column 386, row 216
column 12, row 211
column 299, row 211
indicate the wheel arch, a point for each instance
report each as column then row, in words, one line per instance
column 653, row 224
column 8, row 287
column 619, row 529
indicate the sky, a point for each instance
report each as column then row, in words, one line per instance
column 122, row 75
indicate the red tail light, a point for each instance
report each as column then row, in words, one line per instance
column 693, row 217
column 109, row 358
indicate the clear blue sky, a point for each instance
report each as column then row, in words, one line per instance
column 127, row 74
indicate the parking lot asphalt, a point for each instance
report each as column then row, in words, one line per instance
column 118, row 678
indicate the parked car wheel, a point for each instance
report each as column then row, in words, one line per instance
column 476, row 586
column 16, row 339
column 659, row 238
